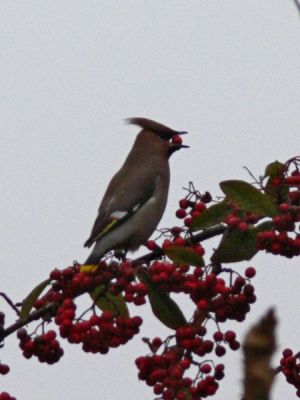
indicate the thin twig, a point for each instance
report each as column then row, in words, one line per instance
column 10, row 303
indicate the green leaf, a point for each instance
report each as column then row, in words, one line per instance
column 163, row 307
column 29, row 301
column 249, row 198
column 212, row 216
column 181, row 255
column 279, row 194
column 272, row 170
column 238, row 246
column 107, row 302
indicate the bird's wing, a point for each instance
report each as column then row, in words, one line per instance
column 122, row 199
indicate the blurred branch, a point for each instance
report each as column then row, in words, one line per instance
column 258, row 348
column 297, row 3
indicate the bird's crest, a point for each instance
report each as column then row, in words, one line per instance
column 163, row 131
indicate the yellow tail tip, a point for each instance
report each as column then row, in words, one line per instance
column 89, row 268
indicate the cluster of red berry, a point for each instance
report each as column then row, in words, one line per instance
column 45, row 347
column 208, row 292
column 177, row 240
column 165, row 373
column 280, row 242
column 98, row 333
column 191, row 339
column 117, row 278
column 241, row 223
column 290, row 366
column 190, row 210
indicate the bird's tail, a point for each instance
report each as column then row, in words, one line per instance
column 97, row 252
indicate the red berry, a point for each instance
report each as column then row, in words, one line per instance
column 295, row 197
column 158, row 389
column 205, row 368
column 208, row 346
column 180, row 213
column 183, row 203
column 185, row 363
column 55, row 274
column 202, row 305
column 177, row 373
column 293, row 180
column 195, row 214
column 239, row 282
column 218, row 336
column 181, row 396
column 187, row 221
column 242, row 227
column 141, row 289
column 156, row 342
column 168, row 395
column 151, row 245
column 250, row 272
column 230, row 336
column 137, row 321
column 284, row 208
column 139, row 301
column 199, row 249
column 220, row 351
column 179, row 241
column 290, row 361
column 200, row 207
column 4, row 369
column 276, row 248
column 50, row 335
column 166, row 244
column 234, row 222
column 234, row 345
column 220, row 368
column 287, row 353
column 176, row 140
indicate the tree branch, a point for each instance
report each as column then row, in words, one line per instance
column 51, row 309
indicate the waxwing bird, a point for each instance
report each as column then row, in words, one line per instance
column 136, row 197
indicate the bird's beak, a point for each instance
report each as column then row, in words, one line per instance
column 175, row 147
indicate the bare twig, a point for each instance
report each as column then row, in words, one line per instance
column 9, row 301
column 37, row 314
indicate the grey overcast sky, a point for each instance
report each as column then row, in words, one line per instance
column 228, row 72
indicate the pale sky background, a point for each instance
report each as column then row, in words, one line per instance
column 228, row 72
